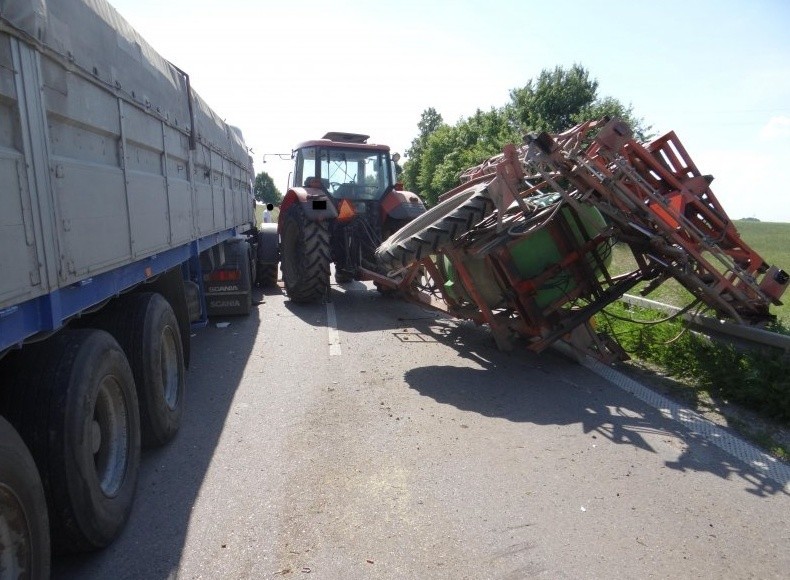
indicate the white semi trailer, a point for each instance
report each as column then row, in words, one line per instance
column 126, row 218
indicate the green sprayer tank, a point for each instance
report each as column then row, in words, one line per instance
column 531, row 256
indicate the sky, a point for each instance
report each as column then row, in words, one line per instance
column 715, row 72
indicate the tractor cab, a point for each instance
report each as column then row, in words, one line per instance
column 345, row 166
column 345, row 190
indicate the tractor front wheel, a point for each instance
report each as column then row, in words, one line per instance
column 435, row 229
column 305, row 256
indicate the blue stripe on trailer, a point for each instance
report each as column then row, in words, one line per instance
column 48, row 313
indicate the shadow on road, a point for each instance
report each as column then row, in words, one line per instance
column 523, row 387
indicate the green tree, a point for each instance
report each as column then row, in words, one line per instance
column 447, row 150
column 440, row 152
column 559, row 99
column 611, row 107
column 265, row 189
column 556, row 100
column 553, row 100
column 430, row 120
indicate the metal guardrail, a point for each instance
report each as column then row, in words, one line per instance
column 748, row 336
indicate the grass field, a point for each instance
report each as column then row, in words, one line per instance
column 707, row 372
column 770, row 240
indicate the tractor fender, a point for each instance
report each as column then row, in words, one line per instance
column 268, row 251
column 401, row 205
column 315, row 203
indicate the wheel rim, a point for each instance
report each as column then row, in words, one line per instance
column 15, row 536
column 170, row 372
column 110, row 431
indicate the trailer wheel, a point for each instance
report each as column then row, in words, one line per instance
column 305, row 257
column 267, row 275
column 343, row 277
column 253, row 269
column 436, row 228
column 24, row 526
column 267, row 255
column 146, row 328
column 72, row 398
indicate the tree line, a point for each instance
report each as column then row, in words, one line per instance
column 554, row 101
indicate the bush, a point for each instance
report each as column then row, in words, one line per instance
column 756, row 380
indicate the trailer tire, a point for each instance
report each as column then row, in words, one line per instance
column 267, row 255
column 146, row 327
column 24, row 525
column 73, row 401
column 267, row 275
column 343, row 277
column 435, row 229
column 253, row 268
column 305, row 257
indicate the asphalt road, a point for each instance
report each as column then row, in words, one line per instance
column 404, row 445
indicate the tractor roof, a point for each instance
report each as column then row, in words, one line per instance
column 346, row 137
column 342, row 139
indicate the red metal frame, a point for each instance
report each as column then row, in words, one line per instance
column 655, row 200
column 660, row 189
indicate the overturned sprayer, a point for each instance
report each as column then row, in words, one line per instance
column 524, row 244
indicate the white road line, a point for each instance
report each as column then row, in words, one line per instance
column 753, row 456
column 331, row 327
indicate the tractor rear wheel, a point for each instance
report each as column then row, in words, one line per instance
column 435, row 229
column 305, row 256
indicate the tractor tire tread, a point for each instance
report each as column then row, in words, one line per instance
column 311, row 264
column 404, row 248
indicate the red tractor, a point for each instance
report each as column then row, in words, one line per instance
column 344, row 199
